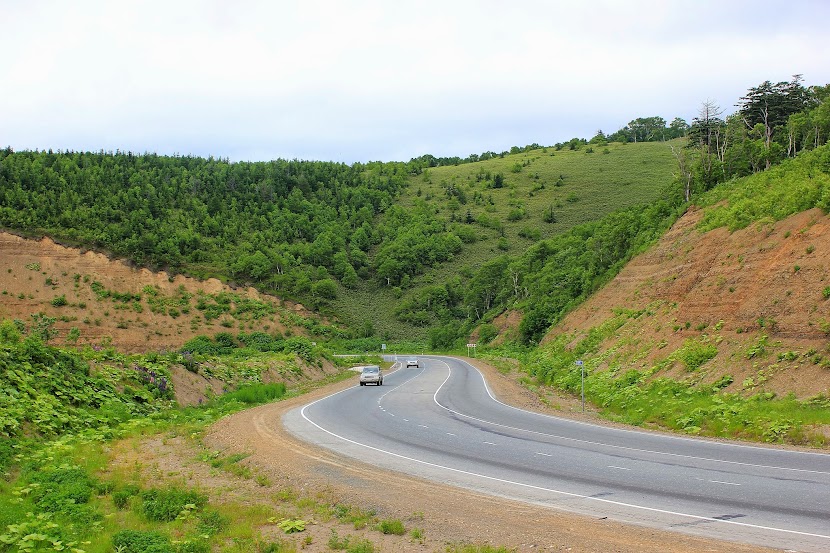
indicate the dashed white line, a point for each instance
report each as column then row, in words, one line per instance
column 489, row 443
column 545, row 454
column 618, row 468
column 727, row 483
column 423, row 426
column 450, row 434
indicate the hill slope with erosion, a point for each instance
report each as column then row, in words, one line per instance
column 756, row 295
column 111, row 302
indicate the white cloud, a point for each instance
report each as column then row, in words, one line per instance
column 367, row 80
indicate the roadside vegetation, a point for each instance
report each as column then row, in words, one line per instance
column 650, row 398
column 69, row 416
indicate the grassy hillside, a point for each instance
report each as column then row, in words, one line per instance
column 507, row 218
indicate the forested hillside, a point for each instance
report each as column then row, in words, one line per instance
column 342, row 239
column 286, row 226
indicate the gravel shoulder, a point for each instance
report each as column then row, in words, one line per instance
column 447, row 515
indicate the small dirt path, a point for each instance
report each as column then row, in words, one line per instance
column 446, row 514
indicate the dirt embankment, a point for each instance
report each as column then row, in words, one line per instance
column 760, row 295
column 36, row 272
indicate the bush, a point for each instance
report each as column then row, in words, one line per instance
column 693, row 354
column 211, row 522
column 59, row 301
column 61, row 488
column 393, row 526
column 138, row 541
column 201, row 344
column 487, row 332
column 121, row 498
column 9, row 333
column 167, row 505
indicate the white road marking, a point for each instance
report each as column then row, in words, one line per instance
column 618, row 468
column 450, row 434
column 727, row 483
column 489, row 443
column 551, row 490
column 423, row 426
column 545, row 454
column 487, row 388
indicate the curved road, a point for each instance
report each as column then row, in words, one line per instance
column 441, row 422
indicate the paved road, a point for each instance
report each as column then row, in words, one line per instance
column 441, row 422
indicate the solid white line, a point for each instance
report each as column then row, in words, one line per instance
column 540, row 488
column 625, row 448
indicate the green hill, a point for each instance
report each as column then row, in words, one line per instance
column 501, row 206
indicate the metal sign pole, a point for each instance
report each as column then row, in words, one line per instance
column 582, row 371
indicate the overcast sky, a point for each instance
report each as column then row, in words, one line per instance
column 387, row 80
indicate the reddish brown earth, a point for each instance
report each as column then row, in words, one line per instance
column 25, row 266
column 727, row 289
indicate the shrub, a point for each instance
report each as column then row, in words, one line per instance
column 486, row 333
column 61, row 487
column 138, row 541
column 167, row 505
column 516, row 214
column 531, row 233
column 393, row 526
column 211, row 522
column 9, row 333
column 693, row 354
column 59, row 301
column 121, row 498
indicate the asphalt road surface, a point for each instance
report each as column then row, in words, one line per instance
column 441, row 422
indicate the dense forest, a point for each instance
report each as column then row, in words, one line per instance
column 312, row 230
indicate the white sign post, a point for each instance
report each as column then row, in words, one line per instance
column 473, row 347
column 581, row 366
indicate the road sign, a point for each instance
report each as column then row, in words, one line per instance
column 383, row 347
column 471, row 345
